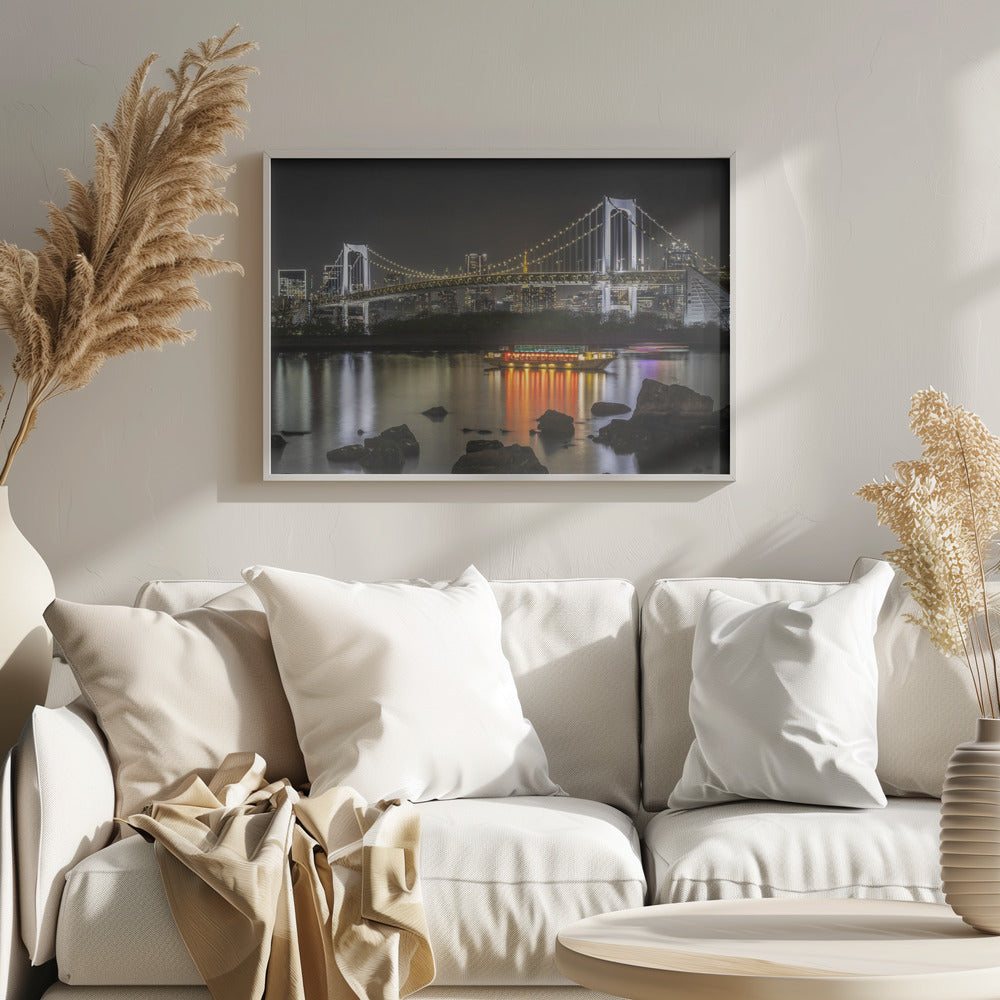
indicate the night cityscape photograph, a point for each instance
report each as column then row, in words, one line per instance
column 541, row 317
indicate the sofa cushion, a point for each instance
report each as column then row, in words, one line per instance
column 568, row 641
column 669, row 616
column 926, row 703
column 500, row 878
column 760, row 849
column 783, row 700
column 64, row 808
column 401, row 690
column 216, row 686
column 60, row 991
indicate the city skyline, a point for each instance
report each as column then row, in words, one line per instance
column 432, row 213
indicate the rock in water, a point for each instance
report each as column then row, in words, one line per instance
column 385, row 453
column 515, row 459
column 669, row 421
column 349, row 453
column 553, row 424
column 401, row 435
column 669, row 400
column 603, row 409
column 405, row 438
column 481, row 445
column 435, row 412
column 382, row 455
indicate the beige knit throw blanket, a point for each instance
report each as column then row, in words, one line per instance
column 282, row 897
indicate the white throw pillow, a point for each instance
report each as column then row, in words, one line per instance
column 401, row 690
column 783, row 700
column 178, row 693
column 65, row 798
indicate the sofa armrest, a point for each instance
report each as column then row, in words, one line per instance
column 18, row 980
column 64, row 811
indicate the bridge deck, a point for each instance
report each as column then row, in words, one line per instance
column 514, row 278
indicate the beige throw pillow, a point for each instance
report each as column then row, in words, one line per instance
column 175, row 694
column 401, row 690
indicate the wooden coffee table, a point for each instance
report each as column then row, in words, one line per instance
column 779, row 949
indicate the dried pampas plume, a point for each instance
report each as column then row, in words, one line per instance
column 945, row 510
column 118, row 263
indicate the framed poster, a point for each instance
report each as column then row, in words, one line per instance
column 538, row 317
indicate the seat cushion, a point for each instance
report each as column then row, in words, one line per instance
column 500, row 878
column 60, row 991
column 759, row 849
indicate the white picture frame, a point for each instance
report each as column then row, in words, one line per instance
column 348, row 342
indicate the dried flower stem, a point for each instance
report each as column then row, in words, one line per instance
column 10, row 399
column 945, row 510
column 118, row 263
column 27, row 423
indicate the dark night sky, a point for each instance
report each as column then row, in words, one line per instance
column 428, row 213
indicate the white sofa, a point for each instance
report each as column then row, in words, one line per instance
column 605, row 685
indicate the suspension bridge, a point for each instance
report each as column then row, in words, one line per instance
column 615, row 248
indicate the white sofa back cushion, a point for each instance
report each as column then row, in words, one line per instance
column 572, row 649
column 926, row 704
column 669, row 616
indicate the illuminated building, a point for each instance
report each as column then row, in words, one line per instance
column 481, row 300
column 537, row 298
column 447, row 301
column 475, row 262
column 331, row 279
column 292, row 283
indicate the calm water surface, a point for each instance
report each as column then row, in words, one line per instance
column 336, row 396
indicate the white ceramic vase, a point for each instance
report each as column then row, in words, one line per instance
column 26, row 589
column 970, row 829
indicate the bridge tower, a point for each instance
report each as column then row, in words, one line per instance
column 360, row 258
column 630, row 262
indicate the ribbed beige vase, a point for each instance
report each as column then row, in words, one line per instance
column 970, row 829
column 25, row 643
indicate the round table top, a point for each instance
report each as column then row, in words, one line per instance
column 781, row 948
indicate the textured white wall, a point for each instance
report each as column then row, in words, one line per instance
column 865, row 255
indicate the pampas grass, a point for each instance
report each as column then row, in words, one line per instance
column 945, row 510
column 117, row 265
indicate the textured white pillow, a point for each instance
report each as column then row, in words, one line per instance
column 783, row 700
column 401, row 690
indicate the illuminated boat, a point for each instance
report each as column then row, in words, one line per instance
column 564, row 357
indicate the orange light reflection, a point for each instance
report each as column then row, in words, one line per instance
column 530, row 392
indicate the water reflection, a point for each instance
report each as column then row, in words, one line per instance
column 341, row 397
